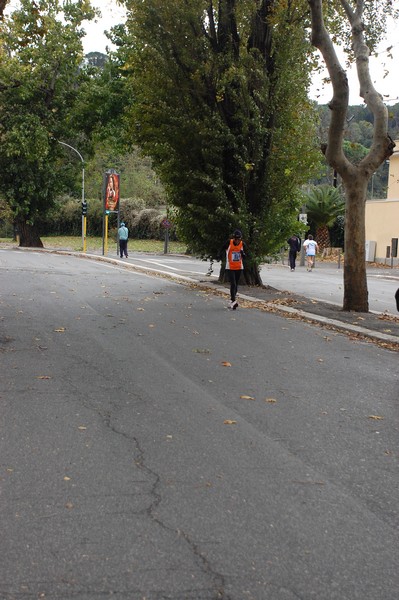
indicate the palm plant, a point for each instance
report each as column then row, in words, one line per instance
column 323, row 205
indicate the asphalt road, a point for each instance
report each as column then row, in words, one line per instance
column 155, row 445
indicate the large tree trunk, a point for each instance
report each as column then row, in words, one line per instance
column 28, row 235
column 355, row 276
column 250, row 275
column 355, row 177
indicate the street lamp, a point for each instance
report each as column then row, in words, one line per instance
column 84, row 205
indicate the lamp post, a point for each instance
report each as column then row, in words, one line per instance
column 84, row 204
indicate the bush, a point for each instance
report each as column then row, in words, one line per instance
column 147, row 224
column 65, row 218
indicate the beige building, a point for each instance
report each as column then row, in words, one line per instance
column 382, row 217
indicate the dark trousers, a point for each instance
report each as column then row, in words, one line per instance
column 123, row 248
column 234, row 277
column 292, row 258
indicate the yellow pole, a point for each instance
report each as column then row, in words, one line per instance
column 84, row 233
column 106, row 236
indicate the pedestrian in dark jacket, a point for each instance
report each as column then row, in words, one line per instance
column 294, row 244
column 397, row 298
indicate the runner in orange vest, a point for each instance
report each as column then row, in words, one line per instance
column 235, row 252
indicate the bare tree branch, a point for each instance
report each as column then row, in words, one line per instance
column 340, row 101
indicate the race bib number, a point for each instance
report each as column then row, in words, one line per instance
column 236, row 256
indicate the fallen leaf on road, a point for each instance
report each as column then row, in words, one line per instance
column 69, row 505
column 43, row 377
column 226, row 364
column 229, row 422
column 82, row 428
column 67, row 478
column 247, row 397
column 60, row 330
column 309, row 482
column 271, row 400
column 375, row 417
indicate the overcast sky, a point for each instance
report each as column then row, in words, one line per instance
column 112, row 14
column 388, row 86
column 383, row 70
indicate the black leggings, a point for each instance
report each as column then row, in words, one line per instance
column 234, row 276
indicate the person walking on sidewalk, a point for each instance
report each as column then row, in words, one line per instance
column 235, row 250
column 123, row 236
column 311, row 247
column 295, row 245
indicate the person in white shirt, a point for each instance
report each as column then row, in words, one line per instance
column 311, row 247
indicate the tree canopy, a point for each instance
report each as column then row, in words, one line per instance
column 220, row 104
column 41, row 54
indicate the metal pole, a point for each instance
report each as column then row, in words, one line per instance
column 302, row 257
column 166, row 243
column 84, row 216
column 83, row 192
column 105, row 251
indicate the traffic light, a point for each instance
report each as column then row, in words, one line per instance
column 84, row 207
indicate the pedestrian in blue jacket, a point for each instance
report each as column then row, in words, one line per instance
column 123, row 236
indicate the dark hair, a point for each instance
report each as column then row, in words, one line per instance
column 237, row 233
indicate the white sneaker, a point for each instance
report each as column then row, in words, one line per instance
column 234, row 305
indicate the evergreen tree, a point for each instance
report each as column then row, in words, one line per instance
column 220, row 105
